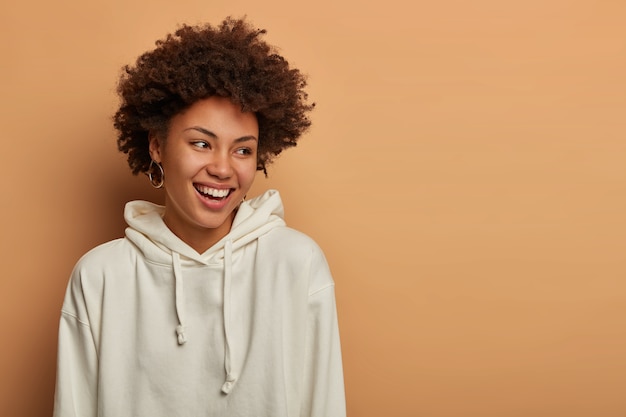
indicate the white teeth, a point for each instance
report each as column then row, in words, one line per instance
column 213, row 192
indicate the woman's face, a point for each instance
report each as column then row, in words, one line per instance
column 209, row 161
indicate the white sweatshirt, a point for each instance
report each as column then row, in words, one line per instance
column 151, row 328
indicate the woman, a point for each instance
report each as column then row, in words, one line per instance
column 210, row 305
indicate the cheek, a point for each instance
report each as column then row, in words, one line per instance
column 247, row 175
column 185, row 166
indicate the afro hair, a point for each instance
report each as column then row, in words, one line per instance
column 197, row 62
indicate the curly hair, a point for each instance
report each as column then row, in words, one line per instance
column 198, row 62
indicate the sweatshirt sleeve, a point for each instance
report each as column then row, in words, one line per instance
column 323, row 386
column 77, row 361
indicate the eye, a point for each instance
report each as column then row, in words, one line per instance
column 202, row 144
column 244, row 151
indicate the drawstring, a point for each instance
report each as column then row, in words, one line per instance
column 180, row 299
column 231, row 377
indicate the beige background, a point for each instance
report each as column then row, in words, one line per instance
column 465, row 175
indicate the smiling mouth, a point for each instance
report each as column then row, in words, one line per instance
column 212, row 193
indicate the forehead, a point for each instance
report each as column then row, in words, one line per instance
column 219, row 115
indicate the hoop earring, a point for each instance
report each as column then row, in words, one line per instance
column 153, row 180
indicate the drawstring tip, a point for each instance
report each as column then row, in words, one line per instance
column 180, row 331
column 227, row 387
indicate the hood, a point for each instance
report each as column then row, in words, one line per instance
column 158, row 244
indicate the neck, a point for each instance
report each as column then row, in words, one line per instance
column 197, row 237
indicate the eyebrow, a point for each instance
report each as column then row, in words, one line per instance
column 214, row 136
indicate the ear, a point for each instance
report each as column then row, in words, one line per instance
column 154, row 147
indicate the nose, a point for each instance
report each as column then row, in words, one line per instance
column 219, row 166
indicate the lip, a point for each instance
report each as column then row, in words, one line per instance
column 214, row 204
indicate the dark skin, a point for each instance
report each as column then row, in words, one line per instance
column 209, row 164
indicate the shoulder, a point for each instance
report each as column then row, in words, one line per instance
column 105, row 252
column 98, row 260
column 290, row 241
column 86, row 284
column 108, row 259
column 285, row 245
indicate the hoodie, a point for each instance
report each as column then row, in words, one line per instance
column 150, row 328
